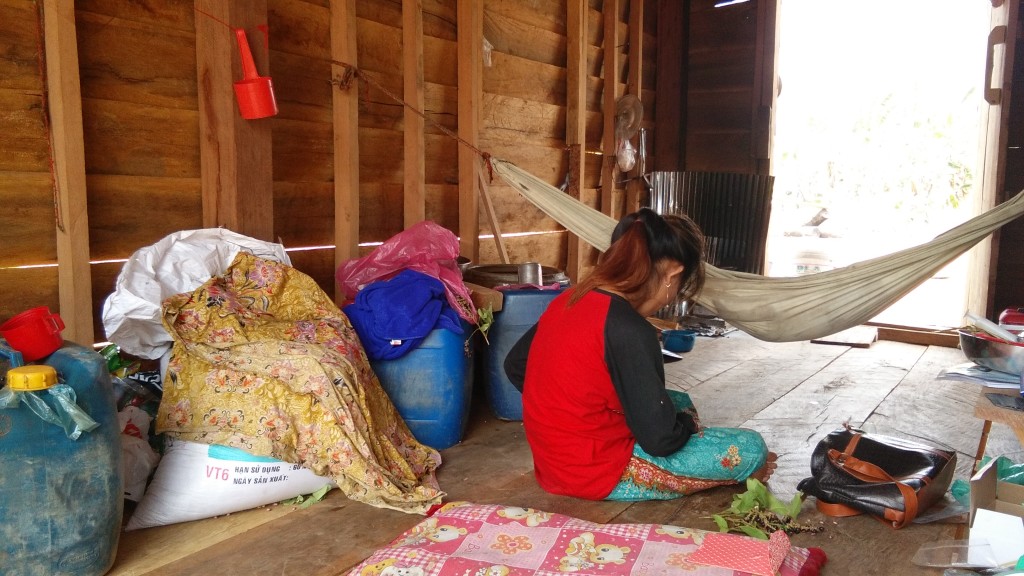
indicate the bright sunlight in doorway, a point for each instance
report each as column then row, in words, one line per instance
column 877, row 138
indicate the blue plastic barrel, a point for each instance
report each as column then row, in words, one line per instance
column 520, row 310
column 61, row 500
column 432, row 385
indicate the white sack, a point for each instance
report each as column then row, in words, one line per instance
column 180, row 262
column 195, row 481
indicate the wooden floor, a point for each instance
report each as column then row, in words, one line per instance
column 793, row 393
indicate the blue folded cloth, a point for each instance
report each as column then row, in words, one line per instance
column 393, row 316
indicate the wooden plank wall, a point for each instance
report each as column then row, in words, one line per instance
column 28, row 219
column 140, row 113
column 68, row 163
column 721, row 66
column 142, row 75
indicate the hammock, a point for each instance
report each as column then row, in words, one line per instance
column 787, row 309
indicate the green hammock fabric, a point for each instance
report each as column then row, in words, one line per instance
column 787, row 309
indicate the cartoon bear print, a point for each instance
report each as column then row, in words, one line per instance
column 445, row 533
column 528, row 516
column 609, row 554
column 681, row 533
column 418, row 533
column 581, row 545
column 573, row 564
column 584, row 552
column 432, row 531
column 377, row 568
column 577, row 554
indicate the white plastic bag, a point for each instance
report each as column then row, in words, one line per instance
column 180, row 262
column 138, row 459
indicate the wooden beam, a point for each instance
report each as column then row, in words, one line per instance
column 990, row 184
column 470, row 25
column 635, row 187
column 636, row 48
column 235, row 153
column 610, row 48
column 492, row 217
column 346, row 134
column 415, row 160
column 766, row 85
column 947, row 338
column 64, row 102
column 576, row 117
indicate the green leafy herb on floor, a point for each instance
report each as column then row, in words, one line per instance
column 758, row 513
column 308, row 500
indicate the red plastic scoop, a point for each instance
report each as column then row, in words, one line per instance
column 255, row 93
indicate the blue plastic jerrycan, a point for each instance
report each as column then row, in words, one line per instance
column 61, row 500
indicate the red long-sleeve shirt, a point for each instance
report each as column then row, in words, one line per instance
column 593, row 383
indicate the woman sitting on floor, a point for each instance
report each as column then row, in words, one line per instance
column 598, row 418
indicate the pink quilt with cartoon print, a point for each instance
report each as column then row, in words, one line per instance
column 468, row 539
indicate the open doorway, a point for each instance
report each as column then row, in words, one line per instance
column 876, row 138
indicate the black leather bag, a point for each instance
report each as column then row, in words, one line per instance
column 893, row 479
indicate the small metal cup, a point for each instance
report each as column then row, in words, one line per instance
column 530, row 273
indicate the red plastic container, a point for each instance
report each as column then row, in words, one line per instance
column 255, row 93
column 35, row 333
column 1012, row 319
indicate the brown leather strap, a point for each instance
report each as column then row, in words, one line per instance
column 895, row 518
column 909, row 507
column 838, row 510
column 852, row 444
column 860, row 469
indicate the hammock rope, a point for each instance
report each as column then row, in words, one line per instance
column 787, row 309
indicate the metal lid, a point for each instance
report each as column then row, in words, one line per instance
column 29, row 378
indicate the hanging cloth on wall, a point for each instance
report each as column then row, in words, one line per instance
column 787, row 309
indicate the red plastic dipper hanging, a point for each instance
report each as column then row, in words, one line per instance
column 255, row 93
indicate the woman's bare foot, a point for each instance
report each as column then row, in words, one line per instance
column 765, row 472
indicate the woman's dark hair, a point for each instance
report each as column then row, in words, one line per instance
column 640, row 242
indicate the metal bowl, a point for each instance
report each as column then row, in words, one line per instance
column 991, row 352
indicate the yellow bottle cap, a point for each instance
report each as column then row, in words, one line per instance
column 29, row 378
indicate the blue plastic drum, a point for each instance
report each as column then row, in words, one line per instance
column 432, row 386
column 520, row 310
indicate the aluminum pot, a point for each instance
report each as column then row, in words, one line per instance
column 991, row 352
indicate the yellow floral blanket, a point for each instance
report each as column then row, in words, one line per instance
column 264, row 361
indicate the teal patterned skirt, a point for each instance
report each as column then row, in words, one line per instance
column 715, row 457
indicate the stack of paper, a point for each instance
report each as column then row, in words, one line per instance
column 971, row 372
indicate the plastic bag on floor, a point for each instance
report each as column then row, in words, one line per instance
column 1007, row 470
column 62, row 410
column 138, row 459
